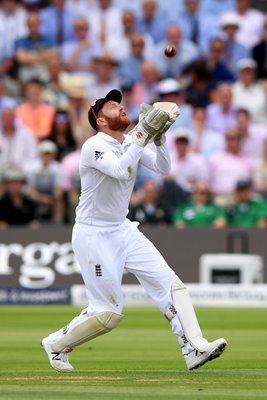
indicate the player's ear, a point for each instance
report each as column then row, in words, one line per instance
column 101, row 121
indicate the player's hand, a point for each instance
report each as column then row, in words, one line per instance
column 173, row 111
column 150, row 124
column 171, row 108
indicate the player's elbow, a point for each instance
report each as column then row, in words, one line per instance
column 124, row 174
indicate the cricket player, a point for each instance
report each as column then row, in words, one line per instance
column 105, row 242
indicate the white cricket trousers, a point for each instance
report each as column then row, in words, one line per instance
column 104, row 252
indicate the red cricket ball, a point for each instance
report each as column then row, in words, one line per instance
column 170, row 51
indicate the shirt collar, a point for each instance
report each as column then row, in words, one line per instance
column 106, row 137
column 110, row 139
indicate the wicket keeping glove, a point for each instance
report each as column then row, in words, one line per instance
column 173, row 111
column 151, row 121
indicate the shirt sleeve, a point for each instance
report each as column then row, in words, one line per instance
column 158, row 161
column 109, row 164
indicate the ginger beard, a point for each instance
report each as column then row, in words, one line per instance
column 118, row 123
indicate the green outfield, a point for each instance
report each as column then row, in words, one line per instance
column 138, row 360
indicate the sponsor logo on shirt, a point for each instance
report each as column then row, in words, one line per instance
column 99, row 155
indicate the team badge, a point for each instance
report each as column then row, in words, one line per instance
column 98, row 270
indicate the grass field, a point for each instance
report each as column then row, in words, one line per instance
column 138, row 360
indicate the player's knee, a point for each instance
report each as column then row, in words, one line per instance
column 109, row 319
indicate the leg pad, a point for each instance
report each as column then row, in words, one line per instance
column 87, row 329
column 186, row 315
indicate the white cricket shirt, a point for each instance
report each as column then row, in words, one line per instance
column 108, row 170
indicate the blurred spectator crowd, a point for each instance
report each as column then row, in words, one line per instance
column 57, row 56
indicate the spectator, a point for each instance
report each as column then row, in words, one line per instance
column 259, row 53
column 227, row 167
column 62, row 135
column 12, row 22
column 218, row 68
column 194, row 21
column 145, row 90
column 122, row 48
column 53, row 92
column 131, row 107
column 34, row 113
column 247, row 88
column 169, row 89
column 44, row 177
column 200, row 211
column 186, row 52
column 143, row 174
column 75, row 87
column 16, row 208
column 151, row 21
column 248, row 210
column 33, row 51
column 17, row 144
column 77, row 55
column 70, row 182
column 105, row 76
column 205, row 141
column 233, row 49
column 130, row 67
column 221, row 113
column 187, row 167
column 6, row 57
column 260, row 176
column 106, row 23
column 57, row 22
column 200, row 88
column 251, row 23
column 148, row 210
column 252, row 135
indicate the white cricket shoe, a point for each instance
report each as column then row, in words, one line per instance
column 59, row 361
column 196, row 359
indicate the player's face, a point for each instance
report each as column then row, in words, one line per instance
column 115, row 116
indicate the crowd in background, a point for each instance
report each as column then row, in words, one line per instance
column 58, row 56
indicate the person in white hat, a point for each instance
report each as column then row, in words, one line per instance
column 233, row 49
column 248, row 92
column 169, row 89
